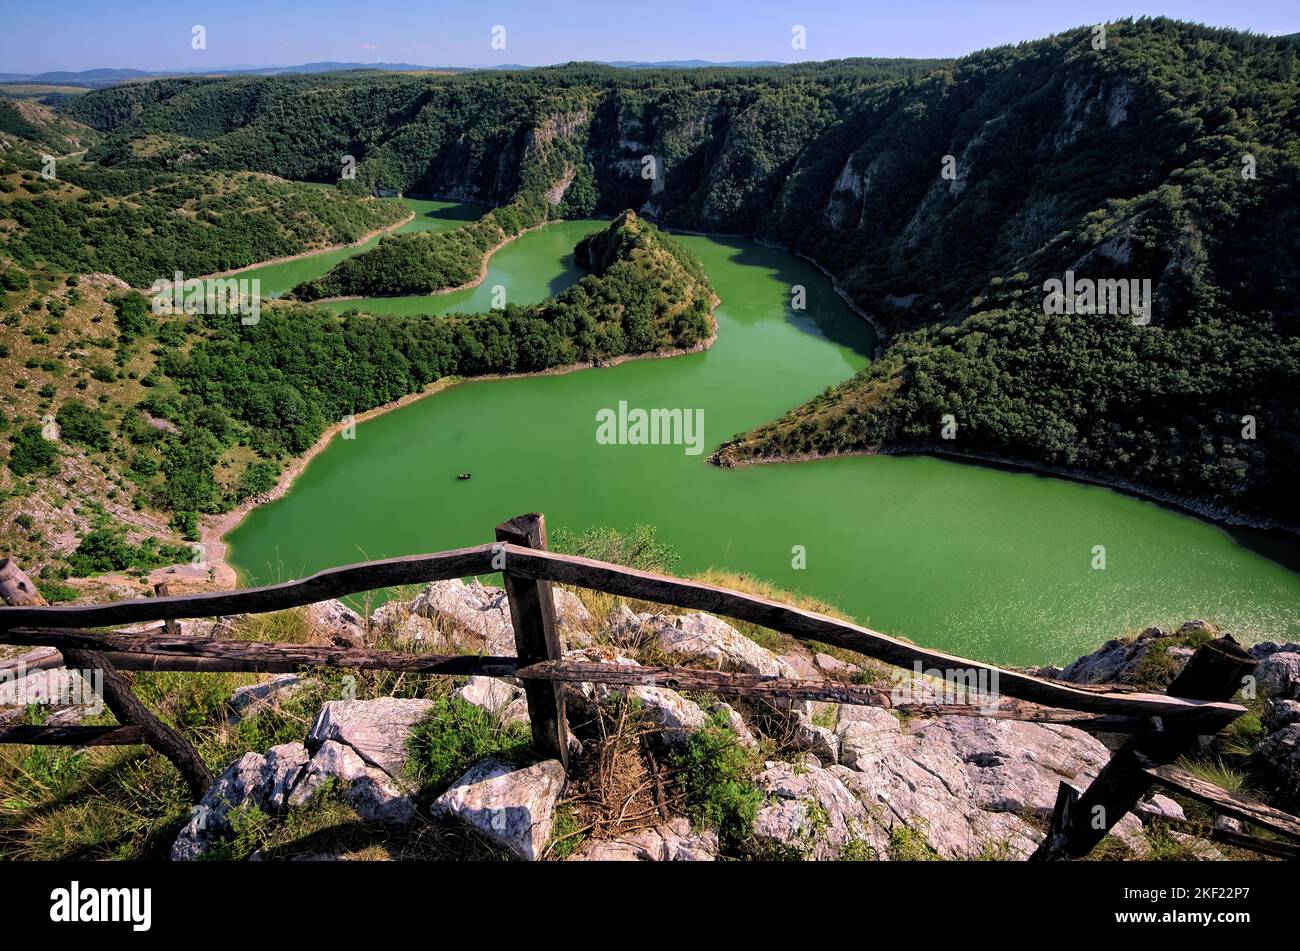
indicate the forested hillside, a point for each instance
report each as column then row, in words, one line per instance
column 181, row 416
column 940, row 195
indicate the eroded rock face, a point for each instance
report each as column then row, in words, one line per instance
column 671, row 841
column 965, row 785
column 810, row 811
column 511, row 806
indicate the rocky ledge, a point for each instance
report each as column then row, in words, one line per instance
column 836, row 781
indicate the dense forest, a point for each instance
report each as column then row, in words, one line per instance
column 941, row 195
column 143, row 224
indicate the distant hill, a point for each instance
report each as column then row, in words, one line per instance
column 97, row 78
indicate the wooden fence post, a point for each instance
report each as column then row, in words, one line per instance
column 130, row 711
column 1215, row 673
column 163, row 590
column 537, row 638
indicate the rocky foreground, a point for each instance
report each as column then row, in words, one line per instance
column 836, row 781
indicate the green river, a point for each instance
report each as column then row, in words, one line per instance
column 979, row 561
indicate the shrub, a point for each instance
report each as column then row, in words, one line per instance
column 713, row 771
column 31, row 452
column 453, row 736
column 78, row 423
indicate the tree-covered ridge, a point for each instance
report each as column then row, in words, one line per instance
column 41, row 126
column 425, row 262
column 932, row 191
column 1201, row 412
column 225, row 404
column 142, row 225
column 1171, row 156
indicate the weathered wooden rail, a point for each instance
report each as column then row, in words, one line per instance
column 1163, row 726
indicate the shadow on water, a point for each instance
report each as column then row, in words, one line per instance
column 569, row 275
column 466, row 211
column 829, row 318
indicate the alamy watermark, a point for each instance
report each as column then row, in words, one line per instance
column 1084, row 295
column 58, row 687
column 974, row 686
column 651, row 427
column 209, row 296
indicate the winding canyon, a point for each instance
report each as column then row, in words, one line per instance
column 988, row 562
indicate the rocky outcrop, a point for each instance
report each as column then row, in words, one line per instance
column 1120, row 661
column 811, row 812
column 510, row 806
column 360, row 745
column 475, row 617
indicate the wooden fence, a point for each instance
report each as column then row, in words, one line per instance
column 1162, row 726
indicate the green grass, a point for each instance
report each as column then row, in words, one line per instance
column 452, row 737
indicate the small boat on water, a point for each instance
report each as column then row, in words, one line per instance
column 463, row 476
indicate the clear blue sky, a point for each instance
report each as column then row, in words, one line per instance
column 42, row 35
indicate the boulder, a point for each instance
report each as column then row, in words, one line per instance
column 1281, row 750
column 1282, row 712
column 1266, row 648
column 671, row 841
column 395, row 621
column 265, row 781
column 737, row 724
column 818, row 740
column 338, row 622
column 374, row 794
column 1163, row 806
column 1114, row 661
column 255, row 698
column 1278, row 675
column 499, row 697
column 706, row 637
column 479, row 616
column 375, row 729
column 511, row 806
column 835, row 668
